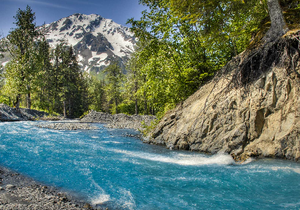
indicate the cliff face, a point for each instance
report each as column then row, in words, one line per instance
column 250, row 109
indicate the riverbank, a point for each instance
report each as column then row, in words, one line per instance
column 8, row 114
column 120, row 121
column 68, row 126
column 21, row 192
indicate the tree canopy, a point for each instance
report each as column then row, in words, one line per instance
column 181, row 44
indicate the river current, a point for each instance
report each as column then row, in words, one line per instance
column 106, row 167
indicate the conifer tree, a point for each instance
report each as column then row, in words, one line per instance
column 2, row 50
column 96, row 93
column 45, row 76
column 114, row 78
column 23, row 51
column 68, row 84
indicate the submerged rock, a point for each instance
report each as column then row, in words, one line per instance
column 250, row 109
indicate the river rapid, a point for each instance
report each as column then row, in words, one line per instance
column 111, row 170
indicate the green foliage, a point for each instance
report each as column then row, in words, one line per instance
column 114, row 78
column 96, row 94
column 22, row 71
column 147, row 129
column 4, row 100
column 183, row 43
column 84, row 114
column 171, row 61
column 127, row 107
column 58, row 87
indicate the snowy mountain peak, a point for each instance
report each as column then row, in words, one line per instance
column 95, row 39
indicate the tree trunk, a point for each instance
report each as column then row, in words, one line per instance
column 116, row 104
column 70, row 108
column 17, row 104
column 136, row 107
column 135, row 91
column 28, row 101
column 278, row 25
column 145, row 104
column 65, row 109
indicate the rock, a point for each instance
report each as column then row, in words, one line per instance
column 87, row 206
column 259, row 117
column 119, row 120
column 99, row 117
column 26, row 194
column 10, row 186
column 11, row 114
column 68, row 126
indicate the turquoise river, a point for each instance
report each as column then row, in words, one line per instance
column 105, row 167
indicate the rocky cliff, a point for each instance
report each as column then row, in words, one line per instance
column 250, row 109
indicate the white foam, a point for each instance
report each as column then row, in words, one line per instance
column 191, row 160
column 296, row 170
column 127, row 199
column 291, row 205
column 249, row 160
column 112, row 142
column 95, row 137
column 102, row 197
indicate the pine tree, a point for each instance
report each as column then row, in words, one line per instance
column 68, row 84
column 114, row 78
column 2, row 50
column 23, row 51
column 45, row 76
column 96, row 93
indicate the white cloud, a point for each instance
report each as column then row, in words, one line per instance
column 43, row 3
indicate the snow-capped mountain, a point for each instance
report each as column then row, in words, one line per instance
column 96, row 40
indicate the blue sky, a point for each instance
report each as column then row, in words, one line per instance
column 48, row 11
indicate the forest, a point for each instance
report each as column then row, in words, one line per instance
column 181, row 45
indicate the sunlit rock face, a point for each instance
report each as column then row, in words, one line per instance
column 255, row 117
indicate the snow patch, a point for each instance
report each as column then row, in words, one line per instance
column 80, row 26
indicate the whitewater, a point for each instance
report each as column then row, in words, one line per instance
column 109, row 169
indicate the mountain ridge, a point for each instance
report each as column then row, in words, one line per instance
column 96, row 40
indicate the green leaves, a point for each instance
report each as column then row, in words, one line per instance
column 114, row 78
column 183, row 42
column 171, row 56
